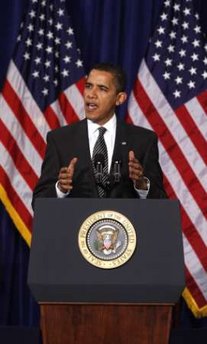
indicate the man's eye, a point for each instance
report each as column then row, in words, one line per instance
column 103, row 89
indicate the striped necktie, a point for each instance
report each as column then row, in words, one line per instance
column 100, row 148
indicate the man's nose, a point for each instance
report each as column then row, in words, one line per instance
column 92, row 93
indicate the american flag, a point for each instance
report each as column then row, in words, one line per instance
column 170, row 97
column 43, row 90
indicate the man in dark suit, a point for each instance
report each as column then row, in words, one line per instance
column 132, row 168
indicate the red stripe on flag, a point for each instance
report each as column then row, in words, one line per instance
column 202, row 98
column 128, row 119
column 168, row 188
column 171, row 147
column 51, row 118
column 67, row 110
column 192, row 131
column 19, row 160
column 194, row 239
column 15, row 199
column 81, row 84
column 194, row 289
column 21, row 114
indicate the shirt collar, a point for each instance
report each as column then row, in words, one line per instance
column 110, row 125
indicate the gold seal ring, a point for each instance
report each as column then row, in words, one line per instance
column 107, row 239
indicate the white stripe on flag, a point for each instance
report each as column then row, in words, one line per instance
column 58, row 112
column 136, row 114
column 14, row 127
column 30, row 105
column 198, row 115
column 75, row 98
column 193, row 264
column 16, row 180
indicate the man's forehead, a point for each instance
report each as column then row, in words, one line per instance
column 98, row 76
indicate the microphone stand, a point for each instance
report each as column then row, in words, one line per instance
column 117, row 171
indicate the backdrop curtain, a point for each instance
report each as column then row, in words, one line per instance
column 116, row 31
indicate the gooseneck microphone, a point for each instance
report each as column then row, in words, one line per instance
column 99, row 163
column 117, row 171
column 106, row 181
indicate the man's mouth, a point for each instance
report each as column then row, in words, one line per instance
column 91, row 106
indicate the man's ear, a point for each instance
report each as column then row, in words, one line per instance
column 121, row 97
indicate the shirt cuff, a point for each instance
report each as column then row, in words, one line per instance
column 143, row 193
column 59, row 193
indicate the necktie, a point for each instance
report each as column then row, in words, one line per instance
column 100, row 148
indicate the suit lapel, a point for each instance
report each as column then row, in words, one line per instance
column 121, row 146
column 83, row 144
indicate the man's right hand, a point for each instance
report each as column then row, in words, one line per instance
column 65, row 177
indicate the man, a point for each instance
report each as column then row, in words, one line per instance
column 120, row 162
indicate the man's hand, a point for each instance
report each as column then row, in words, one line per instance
column 136, row 172
column 65, row 178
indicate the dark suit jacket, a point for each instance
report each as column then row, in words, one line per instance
column 72, row 141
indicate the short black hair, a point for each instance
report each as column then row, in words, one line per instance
column 116, row 71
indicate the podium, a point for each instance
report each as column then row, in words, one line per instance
column 82, row 303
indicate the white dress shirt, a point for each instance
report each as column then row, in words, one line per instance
column 109, row 137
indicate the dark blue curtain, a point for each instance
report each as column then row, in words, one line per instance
column 106, row 30
column 18, row 308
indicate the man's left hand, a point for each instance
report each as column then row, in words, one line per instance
column 136, row 172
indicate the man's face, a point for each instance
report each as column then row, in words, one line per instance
column 101, row 97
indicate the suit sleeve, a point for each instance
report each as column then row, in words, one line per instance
column 49, row 172
column 152, row 170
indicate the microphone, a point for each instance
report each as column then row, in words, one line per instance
column 99, row 163
column 117, row 171
column 115, row 176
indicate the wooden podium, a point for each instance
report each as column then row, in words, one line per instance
column 105, row 324
column 81, row 303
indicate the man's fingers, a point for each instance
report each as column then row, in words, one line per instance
column 136, row 172
column 131, row 156
column 133, row 159
column 134, row 165
column 66, row 187
column 135, row 168
column 65, row 178
column 63, row 170
column 65, row 181
column 71, row 165
column 66, row 172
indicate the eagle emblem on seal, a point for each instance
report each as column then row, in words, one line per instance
column 107, row 239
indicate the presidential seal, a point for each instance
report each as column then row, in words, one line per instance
column 107, row 239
